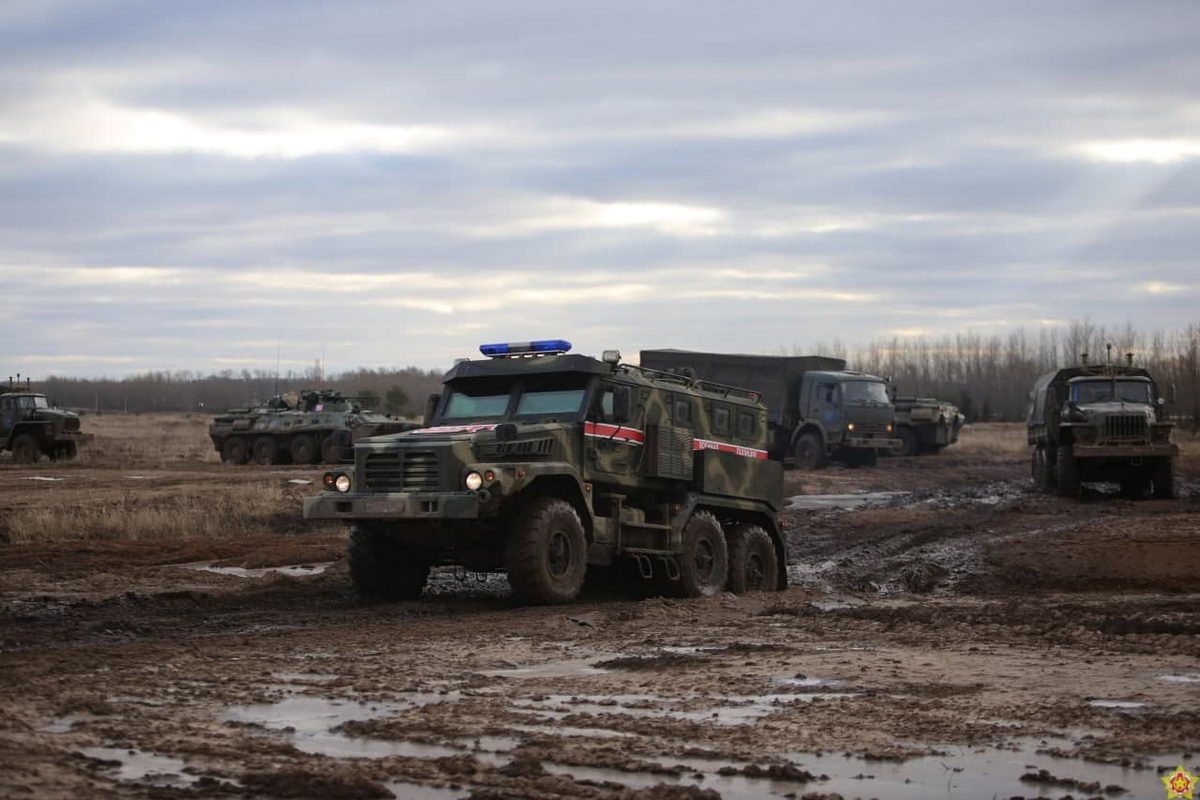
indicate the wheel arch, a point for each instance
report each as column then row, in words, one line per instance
column 566, row 487
column 807, row 427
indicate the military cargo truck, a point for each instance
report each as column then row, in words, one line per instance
column 31, row 428
column 925, row 425
column 1102, row 423
column 817, row 408
column 318, row 426
column 543, row 463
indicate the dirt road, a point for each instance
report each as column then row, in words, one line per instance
column 948, row 634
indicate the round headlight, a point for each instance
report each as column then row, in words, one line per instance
column 474, row 481
column 850, row 426
column 889, row 428
column 342, row 483
column 327, row 479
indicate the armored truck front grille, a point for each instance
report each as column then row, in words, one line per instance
column 420, row 469
column 382, row 473
column 1125, row 427
column 870, row 429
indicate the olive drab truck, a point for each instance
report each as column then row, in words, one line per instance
column 1101, row 423
column 925, row 425
column 543, row 463
column 818, row 409
column 31, row 427
column 315, row 426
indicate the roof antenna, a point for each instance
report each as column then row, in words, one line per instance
column 1129, row 358
column 1108, row 355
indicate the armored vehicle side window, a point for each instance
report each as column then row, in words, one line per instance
column 682, row 412
column 6, row 404
column 745, row 425
column 720, row 420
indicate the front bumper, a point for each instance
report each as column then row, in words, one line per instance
column 393, row 505
column 1159, row 450
column 72, row 436
column 876, row 442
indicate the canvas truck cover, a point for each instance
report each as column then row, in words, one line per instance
column 776, row 378
column 1037, row 395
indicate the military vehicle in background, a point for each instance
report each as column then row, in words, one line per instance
column 30, row 427
column 544, row 463
column 1101, row 423
column 315, row 426
column 817, row 409
column 925, row 425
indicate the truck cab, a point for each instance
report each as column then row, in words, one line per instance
column 31, row 427
column 540, row 462
column 842, row 414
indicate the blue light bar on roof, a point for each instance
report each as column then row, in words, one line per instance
column 538, row 347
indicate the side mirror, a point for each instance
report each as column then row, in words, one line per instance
column 431, row 404
column 622, row 404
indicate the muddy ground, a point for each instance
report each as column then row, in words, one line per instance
column 948, row 634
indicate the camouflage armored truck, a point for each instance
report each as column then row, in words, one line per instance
column 925, row 425
column 319, row 427
column 818, row 409
column 1104, row 423
column 30, row 427
column 543, row 463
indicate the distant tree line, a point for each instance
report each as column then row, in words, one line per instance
column 396, row 391
column 989, row 376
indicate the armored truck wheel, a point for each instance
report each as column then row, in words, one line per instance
column 909, row 446
column 546, row 553
column 303, row 450
column 1164, row 480
column 25, row 449
column 704, row 562
column 235, row 451
column 383, row 568
column 753, row 564
column 265, row 451
column 809, row 452
column 1066, row 472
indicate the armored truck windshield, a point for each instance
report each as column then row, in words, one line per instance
column 32, row 401
column 865, row 392
column 1099, row 390
column 522, row 399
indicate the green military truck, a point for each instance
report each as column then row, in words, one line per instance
column 1102, row 423
column 30, row 427
column 818, row 410
column 925, row 425
column 315, row 426
column 542, row 463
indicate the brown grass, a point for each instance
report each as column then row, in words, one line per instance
column 147, row 440
column 992, row 439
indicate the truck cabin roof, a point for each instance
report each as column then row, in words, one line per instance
column 1068, row 374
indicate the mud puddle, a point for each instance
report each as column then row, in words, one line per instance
column 138, row 766
column 291, row 570
column 569, row 668
column 845, row 502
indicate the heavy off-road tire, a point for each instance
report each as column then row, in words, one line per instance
column 704, row 562
column 909, row 446
column 1164, row 480
column 382, row 568
column 330, row 452
column 546, row 553
column 1066, row 472
column 303, row 450
column 235, row 451
column 25, row 449
column 1043, row 469
column 809, row 452
column 753, row 561
column 266, row 451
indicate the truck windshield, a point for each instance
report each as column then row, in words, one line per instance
column 543, row 395
column 1101, row 390
column 565, row 401
column 465, row 403
column 864, row 392
column 33, row 402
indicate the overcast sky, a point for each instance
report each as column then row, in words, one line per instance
column 206, row 185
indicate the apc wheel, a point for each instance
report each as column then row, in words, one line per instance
column 909, row 446
column 330, row 452
column 704, row 563
column 809, row 452
column 266, row 452
column 753, row 562
column 303, row 450
column 382, row 568
column 1164, row 480
column 546, row 554
column 25, row 449
column 1066, row 472
column 234, row 450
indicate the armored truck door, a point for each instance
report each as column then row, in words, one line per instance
column 612, row 445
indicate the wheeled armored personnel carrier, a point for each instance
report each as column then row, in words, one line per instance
column 319, row 427
column 543, row 463
column 925, row 425
column 1102, row 423
column 818, row 410
column 31, row 428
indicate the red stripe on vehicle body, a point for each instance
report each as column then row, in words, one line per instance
column 620, row 433
column 725, row 447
